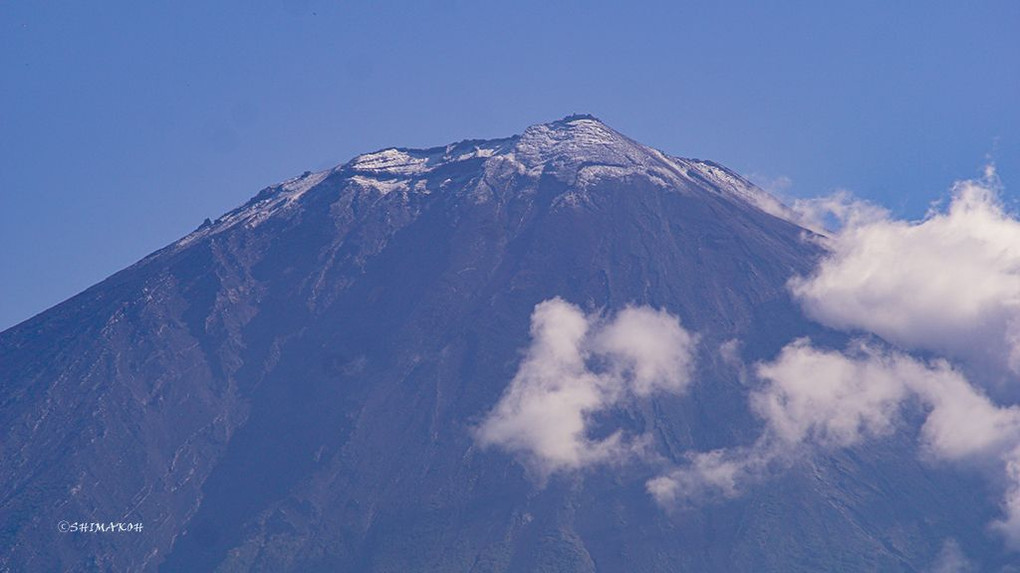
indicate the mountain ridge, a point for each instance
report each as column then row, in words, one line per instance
column 391, row 167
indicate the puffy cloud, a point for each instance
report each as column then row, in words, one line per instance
column 650, row 347
column 963, row 422
column 949, row 283
column 838, row 399
column 578, row 365
column 826, row 399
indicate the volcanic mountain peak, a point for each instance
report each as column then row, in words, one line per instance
column 578, row 150
column 577, row 140
column 561, row 148
column 301, row 385
column 565, row 144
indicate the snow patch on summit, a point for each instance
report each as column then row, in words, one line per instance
column 394, row 161
column 589, row 175
column 381, row 186
column 562, row 147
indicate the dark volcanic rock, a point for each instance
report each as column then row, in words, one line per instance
column 293, row 386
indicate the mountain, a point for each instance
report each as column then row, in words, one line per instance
column 298, row 385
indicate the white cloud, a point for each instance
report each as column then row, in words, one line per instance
column 830, row 213
column 779, row 185
column 949, row 283
column 839, row 399
column 703, row 475
column 827, row 399
column 543, row 416
column 963, row 422
column 823, row 397
column 650, row 347
column 810, row 398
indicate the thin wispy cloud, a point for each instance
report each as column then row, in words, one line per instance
column 703, row 476
column 951, row 559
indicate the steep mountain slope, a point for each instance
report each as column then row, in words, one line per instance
column 295, row 385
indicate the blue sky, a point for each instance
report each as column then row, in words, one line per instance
column 124, row 124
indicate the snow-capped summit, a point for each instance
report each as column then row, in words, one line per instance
column 563, row 147
column 558, row 147
column 579, row 150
